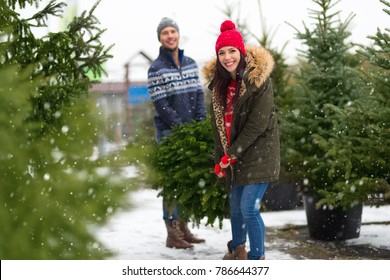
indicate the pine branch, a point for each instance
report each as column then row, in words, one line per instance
column 51, row 9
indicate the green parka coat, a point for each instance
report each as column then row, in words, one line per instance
column 254, row 131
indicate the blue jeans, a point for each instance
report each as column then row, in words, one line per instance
column 245, row 218
column 172, row 215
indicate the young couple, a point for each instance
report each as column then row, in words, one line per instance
column 244, row 124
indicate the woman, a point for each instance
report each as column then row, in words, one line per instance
column 246, row 134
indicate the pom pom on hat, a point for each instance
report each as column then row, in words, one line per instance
column 227, row 25
column 230, row 37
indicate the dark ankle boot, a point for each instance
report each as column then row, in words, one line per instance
column 175, row 238
column 188, row 236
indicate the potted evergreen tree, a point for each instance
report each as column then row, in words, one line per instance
column 363, row 131
column 326, row 78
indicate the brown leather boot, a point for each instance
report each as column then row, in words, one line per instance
column 238, row 254
column 188, row 236
column 260, row 258
column 229, row 254
column 175, row 238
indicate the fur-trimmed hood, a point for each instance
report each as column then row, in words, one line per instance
column 260, row 65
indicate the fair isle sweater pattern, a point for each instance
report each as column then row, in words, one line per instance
column 176, row 92
column 168, row 82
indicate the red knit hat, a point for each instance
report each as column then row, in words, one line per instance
column 230, row 37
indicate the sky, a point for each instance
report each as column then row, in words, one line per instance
column 131, row 26
column 139, row 233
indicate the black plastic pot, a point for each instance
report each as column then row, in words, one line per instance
column 282, row 197
column 334, row 224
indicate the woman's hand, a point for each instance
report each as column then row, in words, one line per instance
column 220, row 167
column 219, row 171
column 226, row 161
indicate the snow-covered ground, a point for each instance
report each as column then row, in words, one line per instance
column 139, row 233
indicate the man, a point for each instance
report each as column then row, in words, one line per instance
column 175, row 89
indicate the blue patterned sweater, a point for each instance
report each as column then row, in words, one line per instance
column 176, row 92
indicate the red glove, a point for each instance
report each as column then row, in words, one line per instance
column 219, row 171
column 226, row 161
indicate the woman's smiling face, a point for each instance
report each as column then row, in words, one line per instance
column 229, row 57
